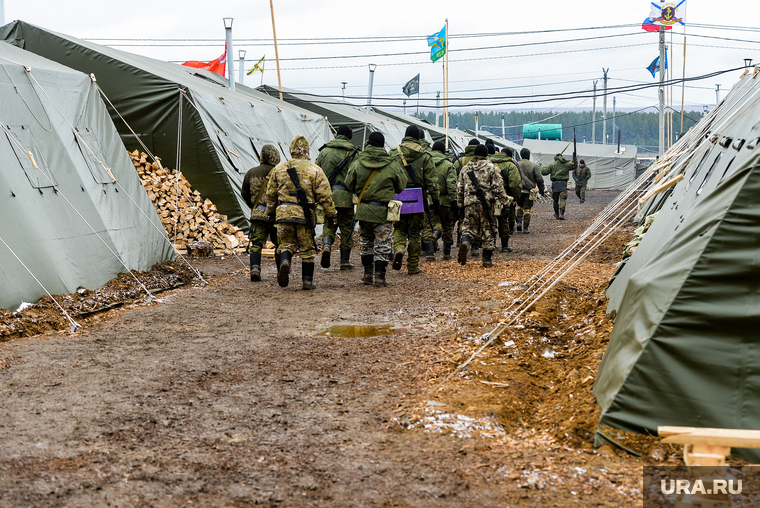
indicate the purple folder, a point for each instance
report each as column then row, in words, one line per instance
column 411, row 201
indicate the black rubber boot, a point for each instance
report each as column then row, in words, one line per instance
column 487, row 263
column 556, row 210
column 519, row 224
column 398, row 257
column 437, row 235
column 345, row 259
column 255, row 267
column 525, row 228
column 326, row 247
column 505, row 247
column 464, row 246
column 561, row 214
column 429, row 252
column 511, row 228
column 380, row 280
column 283, row 271
column 475, row 249
column 307, row 275
column 368, row 269
column 447, row 250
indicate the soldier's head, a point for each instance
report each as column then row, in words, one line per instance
column 438, row 146
column 345, row 130
column 376, row 139
column 583, row 163
column 491, row 149
column 474, row 141
column 270, row 155
column 508, row 151
column 299, row 148
column 412, row 132
column 525, row 153
column 481, row 151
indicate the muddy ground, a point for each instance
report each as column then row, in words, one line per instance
column 232, row 393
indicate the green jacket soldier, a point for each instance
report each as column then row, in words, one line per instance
column 293, row 231
column 512, row 185
column 581, row 177
column 447, row 188
column 469, row 153
column 330, row 156
column 377, row 177
column 559, row 172
column 532, row 185
column 409, row 228
column 479, row 187
column 254, row 185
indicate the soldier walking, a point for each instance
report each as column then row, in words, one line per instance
column 294, row 220
column 581, row 177
column 510, row 175
column 532, row 185
column 254, row 184
column 559, row 172
column 479, row 186
column 447, row 188
column 421, row 171
column 334, row 159
column 376, row 177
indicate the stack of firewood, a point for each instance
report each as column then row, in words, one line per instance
column 185, row 215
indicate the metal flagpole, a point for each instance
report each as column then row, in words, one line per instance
column 446, row 81
column 276, row 54
column 683, row 83
column 661, row 91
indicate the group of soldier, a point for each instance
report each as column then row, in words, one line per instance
column 484, row 192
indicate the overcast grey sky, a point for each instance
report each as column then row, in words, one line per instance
column 528, row 70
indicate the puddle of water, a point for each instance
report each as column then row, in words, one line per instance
column 354, row 331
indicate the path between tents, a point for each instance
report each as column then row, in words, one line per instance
column 233, row 394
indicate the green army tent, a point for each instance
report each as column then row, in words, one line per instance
column 74, row 212
column 685, row 348
column 457, row 140
column 222, row 131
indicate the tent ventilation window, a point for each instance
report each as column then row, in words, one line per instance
column 696, row 170
column 29, row 157
column 707, row 176
column 727, row 167
column 232, row 157
column 93, row 156
column 752, row 144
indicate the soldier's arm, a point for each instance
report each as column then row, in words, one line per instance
column 460, row 190
column 515, row 182
column 271, row 193
column 497, row 186
column 351, row 177
column 547, row 170
column 323, row 194
column 451, row 180
column 428, row 173
column 539, row 180
column 245, row 191
column 400, row 178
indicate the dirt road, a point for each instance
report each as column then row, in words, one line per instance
column 232, row 394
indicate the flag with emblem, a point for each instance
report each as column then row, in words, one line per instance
column 655, row 65
column 412, row 86
column 667, row 14
column 258, row 67
column 437, row 43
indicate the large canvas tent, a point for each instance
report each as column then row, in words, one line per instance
column 221, row 133
column 685, row 348
column 610, row 170
column 457, row 140
column 74, row 212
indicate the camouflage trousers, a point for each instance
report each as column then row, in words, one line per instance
column 560, row 199
column 260, row 231
column 409, row 228
column 477, row 227
column 427, row 233
column 580, row 191
column 376, row 239
column 524, row 206
column 503, row 221
column 345, row 219
column 296, row 238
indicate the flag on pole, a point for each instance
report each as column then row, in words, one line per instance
column 437, row 43
column 667, row 14
column 412, row 86
column 649, row 26
column 258, row 67
column 655, row 65
column 218, row 65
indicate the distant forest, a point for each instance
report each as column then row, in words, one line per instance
column 641, row 129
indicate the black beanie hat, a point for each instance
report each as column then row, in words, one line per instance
column 345, row 130
column 376, row 139
column 491, row 149
column 525, row 153
column 583, row 162
column 474, row 141
column 489, row 142
column 481, row 151
column 412, row 132
column 508, row 151
column 439, row 146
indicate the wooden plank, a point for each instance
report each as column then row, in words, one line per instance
column 736, row 441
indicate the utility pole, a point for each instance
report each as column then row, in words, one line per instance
column 717, row 94
column 372, row 68
column 593, row 117
column 604, row 106
column 476, row 125
column 437, row 107
column 241, row 66
column 661, row 91
column 404, row 106
column 503, row 129
column 344, row 83
column 229, row 59
column 614, row 103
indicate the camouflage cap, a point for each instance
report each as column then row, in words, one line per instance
column 270, row 155
column 299, row 148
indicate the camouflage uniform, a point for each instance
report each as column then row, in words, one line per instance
column 447, row 187
column 330, row 156
column 293, row 233
column 581, row 177
column 559, row 171
column 254, row 185
column 376, row 233
column 530, row 173
column 476, row 224
column 510, row 175
column 410, row 226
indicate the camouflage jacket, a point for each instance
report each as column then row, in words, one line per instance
column 389, row 180
column 256, row 178
column 530, row 172
column 329, row 157
column 447, row 178
column 489, row 179
column 582, row 175
column 422, row 165
column 509, row 173
column 469, row 153
column 281, row 190
column 559, row 170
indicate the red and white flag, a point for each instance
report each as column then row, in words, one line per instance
column 218, row 65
